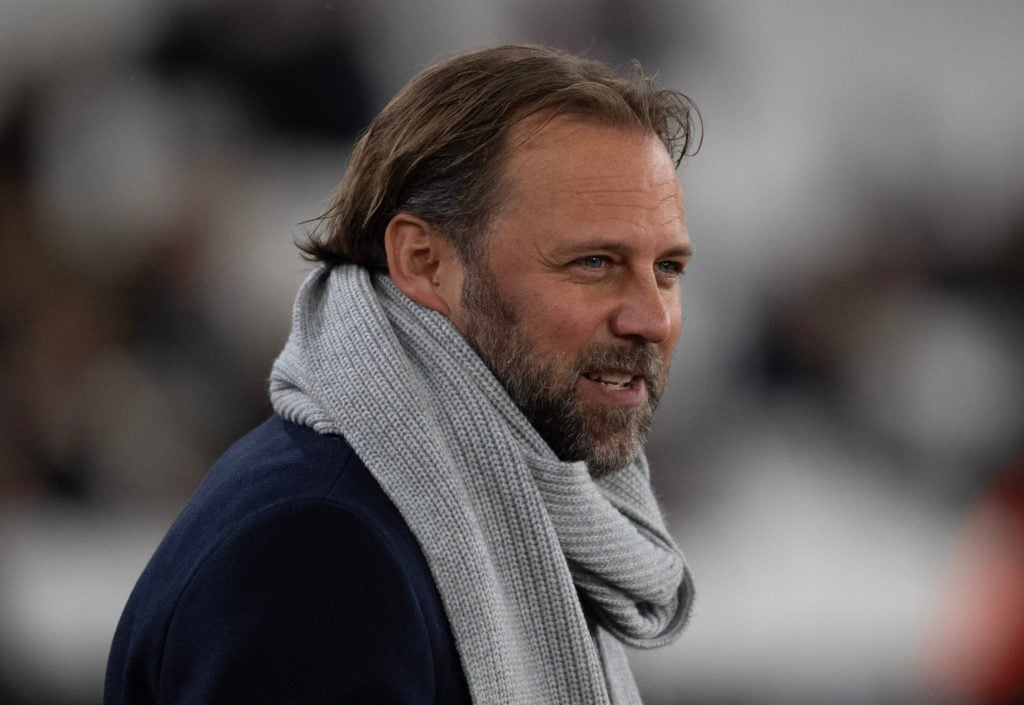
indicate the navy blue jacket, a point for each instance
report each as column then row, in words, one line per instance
column 288, row 578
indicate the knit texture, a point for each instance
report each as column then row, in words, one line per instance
column 543, row 571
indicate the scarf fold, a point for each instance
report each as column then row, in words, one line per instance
column 543, row 571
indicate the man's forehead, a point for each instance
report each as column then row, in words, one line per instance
column 540, row 132
column 594, row 161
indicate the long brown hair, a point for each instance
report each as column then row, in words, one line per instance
column 437, row 149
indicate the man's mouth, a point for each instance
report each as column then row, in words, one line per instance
column 610, row 378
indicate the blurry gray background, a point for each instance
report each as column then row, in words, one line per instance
column 840, row 452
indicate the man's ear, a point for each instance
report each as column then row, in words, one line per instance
column 423, row 263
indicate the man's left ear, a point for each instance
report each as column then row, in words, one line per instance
column 423, row 263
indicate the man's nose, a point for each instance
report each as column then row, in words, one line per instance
column 644, row 311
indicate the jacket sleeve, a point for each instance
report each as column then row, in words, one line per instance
column 306, row 604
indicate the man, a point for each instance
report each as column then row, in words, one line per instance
column 451, row 502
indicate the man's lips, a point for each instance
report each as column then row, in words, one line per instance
column 612, row 389
column 613, row 379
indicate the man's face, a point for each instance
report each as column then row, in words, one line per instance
column 575, row 303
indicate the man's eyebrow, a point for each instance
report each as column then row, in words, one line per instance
column 681, row 251
column 624, row 248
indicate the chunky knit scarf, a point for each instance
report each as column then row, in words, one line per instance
column 542, row 570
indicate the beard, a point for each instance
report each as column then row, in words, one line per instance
column 543, row 385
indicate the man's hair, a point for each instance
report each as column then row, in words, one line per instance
column 438, row 149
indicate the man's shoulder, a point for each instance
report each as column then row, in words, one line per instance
column 289, row 542
column 280, row 458
column 279, row 469
column 283, row 468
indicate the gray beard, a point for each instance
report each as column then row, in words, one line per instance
column 608, row 439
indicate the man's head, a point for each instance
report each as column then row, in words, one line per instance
column 531, row 197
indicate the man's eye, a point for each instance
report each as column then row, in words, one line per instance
column 669, row 268
column 594, row 261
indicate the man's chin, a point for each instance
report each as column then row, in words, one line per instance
column 604, row 447
column 604, row 464
column 612, row 452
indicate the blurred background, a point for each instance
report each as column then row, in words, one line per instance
column 841, row 453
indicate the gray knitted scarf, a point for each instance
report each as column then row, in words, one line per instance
column 543, row 571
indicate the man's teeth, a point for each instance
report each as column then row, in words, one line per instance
column 611, row 379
